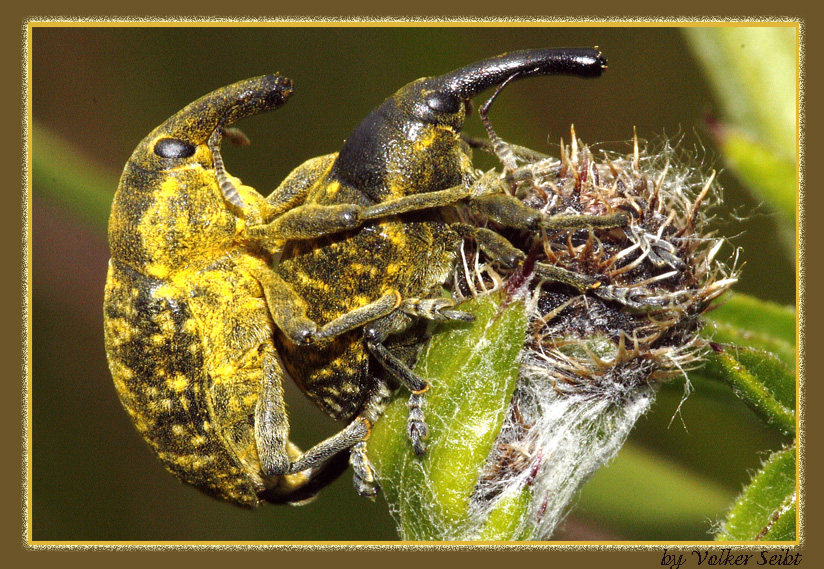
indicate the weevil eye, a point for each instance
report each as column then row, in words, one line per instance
column 443, row 103
column 173, row 148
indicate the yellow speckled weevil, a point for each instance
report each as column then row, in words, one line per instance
column 335, row 274
column 188, row 333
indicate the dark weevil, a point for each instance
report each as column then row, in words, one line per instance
column 335, row 275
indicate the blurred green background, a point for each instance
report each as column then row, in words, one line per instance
column 96, row 91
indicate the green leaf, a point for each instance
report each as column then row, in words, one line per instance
column 472, row 371
column 769, row 175
column 748, row 321
column 503, row 522
column 63, row 174
column 754, row 345
column 649, row 495
column 763, row 381
column 754, row 73
column 766, row 510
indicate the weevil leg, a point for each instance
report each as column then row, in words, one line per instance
column 365, row 481
column 286, row 215
column 355, row 432
column 360, row 316
column 271, row 420
column 561, row 275
column 272, row 432
column 509, row 211
column 353, row 437
column 416, row 202
column 278, row 456
column 498, row 248
column 321, row 477
column 289, row 311
column 631, row 298
column 297, row 220
column 436, row 309
column 310, row 220
column 364, row 476
column 374, row 337
column 290, row 197
column 416, row 427
column 293, row 190
column 493, row 244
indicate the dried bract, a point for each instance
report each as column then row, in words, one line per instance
column 598, row 345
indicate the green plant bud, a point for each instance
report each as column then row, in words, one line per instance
column 608, row 314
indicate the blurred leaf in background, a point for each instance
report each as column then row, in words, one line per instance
column 754, row 74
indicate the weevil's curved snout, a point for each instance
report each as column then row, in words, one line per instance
column 387, row 144
column 477, row 77
column 175, row 142
column 197, row 121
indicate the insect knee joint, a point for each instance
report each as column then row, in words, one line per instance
column 374, row 335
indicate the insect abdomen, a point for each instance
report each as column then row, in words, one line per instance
column 156, row 356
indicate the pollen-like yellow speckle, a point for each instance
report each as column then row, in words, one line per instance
column 224, row 373
column 202, row 461
column 310, row 282
column 158, row 270
column 426, row 140
column 140, row 424
column 177, row 383
column 360, row 300
column 332, row 189
column 397, row 238
column 325, row 372
column 190, row 326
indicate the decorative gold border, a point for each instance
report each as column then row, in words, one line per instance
column 445, row 21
